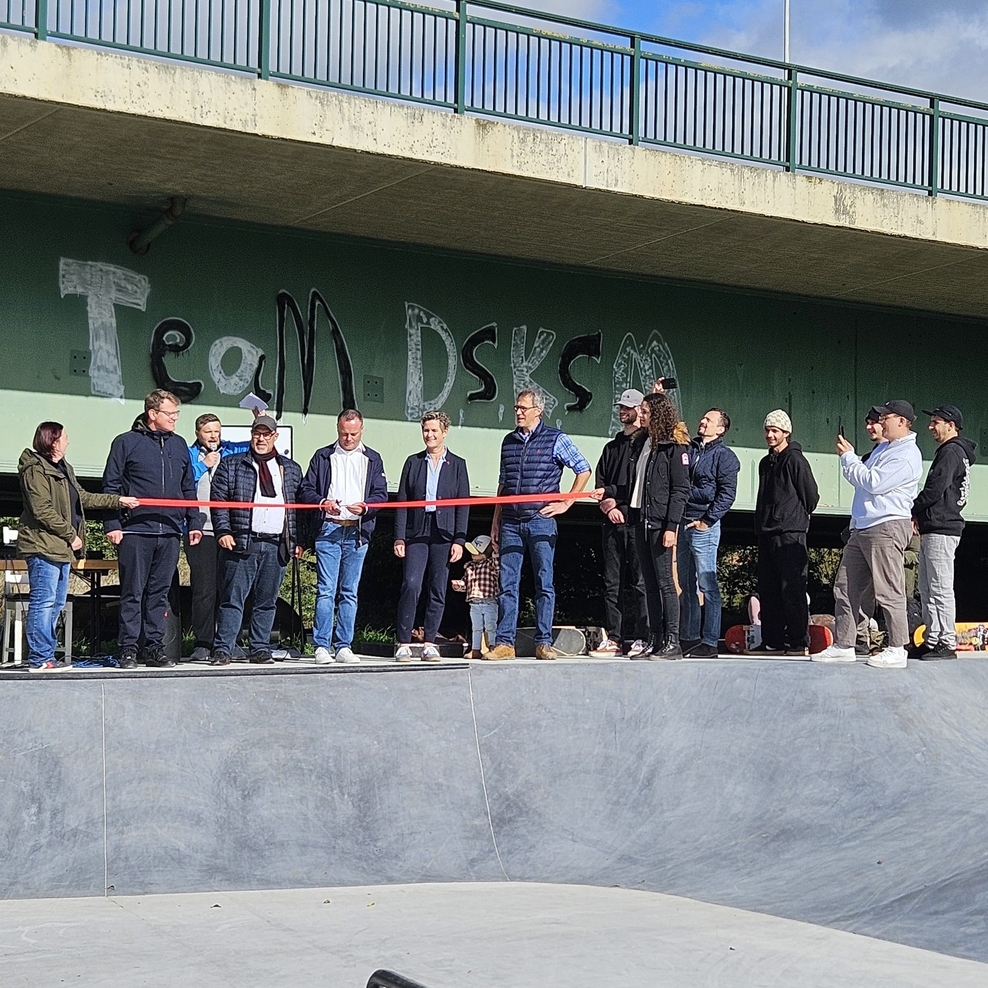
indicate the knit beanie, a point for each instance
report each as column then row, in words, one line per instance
column 778, row 420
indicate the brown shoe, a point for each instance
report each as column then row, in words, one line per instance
column 473, row 654
column 500, row 652
column 545, row 652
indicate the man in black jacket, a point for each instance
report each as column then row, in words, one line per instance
column 621, row 567
column 255, row 543
column 149, row 461
column 937, row 518
column 787, row 496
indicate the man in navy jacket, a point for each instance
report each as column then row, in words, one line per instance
column 713, row 487
column 347, row 480
column 149, row 461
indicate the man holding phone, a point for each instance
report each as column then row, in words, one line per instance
column 881, row 527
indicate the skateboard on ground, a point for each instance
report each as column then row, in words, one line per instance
column 736, row 638
column 972, row 636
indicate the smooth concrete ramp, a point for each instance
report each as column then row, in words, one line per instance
column 850, row 797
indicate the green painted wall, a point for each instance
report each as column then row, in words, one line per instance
column 824, row 363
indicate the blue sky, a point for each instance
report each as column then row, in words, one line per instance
column 939, row 45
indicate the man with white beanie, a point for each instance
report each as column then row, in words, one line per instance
column 787, row 496
column 881, row 527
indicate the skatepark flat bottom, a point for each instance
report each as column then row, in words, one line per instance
column 445, row 936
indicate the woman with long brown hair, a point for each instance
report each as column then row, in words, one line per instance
column 51, row 531
column 661, row 487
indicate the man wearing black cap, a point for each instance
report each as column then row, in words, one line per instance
column 881, row 526
column 255, row 543
column 614, row 478
column 937, row 516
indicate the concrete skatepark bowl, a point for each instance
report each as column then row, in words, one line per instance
column 621, row 817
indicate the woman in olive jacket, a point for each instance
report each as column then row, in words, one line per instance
column 659, row 491
column 51, row 531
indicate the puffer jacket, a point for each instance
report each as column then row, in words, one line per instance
column 45, row 527
column 236, row 480
column 713, row 481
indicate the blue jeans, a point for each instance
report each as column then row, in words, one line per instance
column 538, row 536
column 49, row 590
column 257, row 569
column 339, row 562
column 483, row 618
column 697, row 558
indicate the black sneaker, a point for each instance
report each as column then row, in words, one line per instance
column 919, row 651
column 261, row 658
column 688, row 644
column 702, row 651
column 199, row 654
column 939, row 651
column 670, row 650
column 156, row 658
column 219, row 659
column 128, row 658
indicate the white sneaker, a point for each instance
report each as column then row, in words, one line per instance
column 323, row 656
column 889, row 658
column 607, row 649
column 346, row 656
column 835, row 653
column 403, row 653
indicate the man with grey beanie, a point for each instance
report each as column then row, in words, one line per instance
column 787, row 496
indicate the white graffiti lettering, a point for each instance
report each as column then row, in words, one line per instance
column 638, row 367
column 417, row 319
column 522, row 367
column 241, row 379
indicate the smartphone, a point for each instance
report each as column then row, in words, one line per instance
column 840, row 428
column 670, row 383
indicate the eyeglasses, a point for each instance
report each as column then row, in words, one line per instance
column 524, row 408
column 258, row 434
column 168, row 415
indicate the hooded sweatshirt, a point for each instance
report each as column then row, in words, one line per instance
column 787, row 492
column 937, row 508
column 885, row 486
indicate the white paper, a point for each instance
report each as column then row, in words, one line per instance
column 251, row 401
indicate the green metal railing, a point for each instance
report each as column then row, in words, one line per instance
column 500, row 60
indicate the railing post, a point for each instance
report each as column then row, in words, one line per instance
column 264, row 34
column 935, row 147
column 461, row 56
column 636, row 89
column 792, row 134
column 41, row 19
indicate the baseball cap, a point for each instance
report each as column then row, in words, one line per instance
column 897, row 406
column 949, row 413
column 478, row 546
column 874, row 414
column 631, row 398
column 264, row 422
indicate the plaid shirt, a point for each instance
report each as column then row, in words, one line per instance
column 481, row 578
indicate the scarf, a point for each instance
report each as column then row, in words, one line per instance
column 263, row 472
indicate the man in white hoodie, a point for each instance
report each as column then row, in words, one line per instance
column 881, row 527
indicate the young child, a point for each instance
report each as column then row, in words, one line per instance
column 482, row 585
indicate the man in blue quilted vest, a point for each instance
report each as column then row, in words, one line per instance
column 532, row 462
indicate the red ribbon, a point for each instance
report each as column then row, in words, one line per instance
column 452, row 502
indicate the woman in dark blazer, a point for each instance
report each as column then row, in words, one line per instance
column 429, row 539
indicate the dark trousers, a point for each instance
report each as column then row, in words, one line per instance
column 424, row 557
column 147, row 567
column 259, row 570
column 661, row 597
column 204, row 579
column 782, row 573
column 622, row 571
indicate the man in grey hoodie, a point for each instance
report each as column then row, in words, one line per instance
column 937, row 518
column 881, row 526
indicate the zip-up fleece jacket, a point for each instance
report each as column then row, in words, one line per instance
column 45, row 528
column 236, row 480
column 884, row 487
column 787, row 492
column 316, row 481
column 143, row 463
column 713, row 480
column 667, row 484
column 226, row 449
column 615, row 472
column 937, row 508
